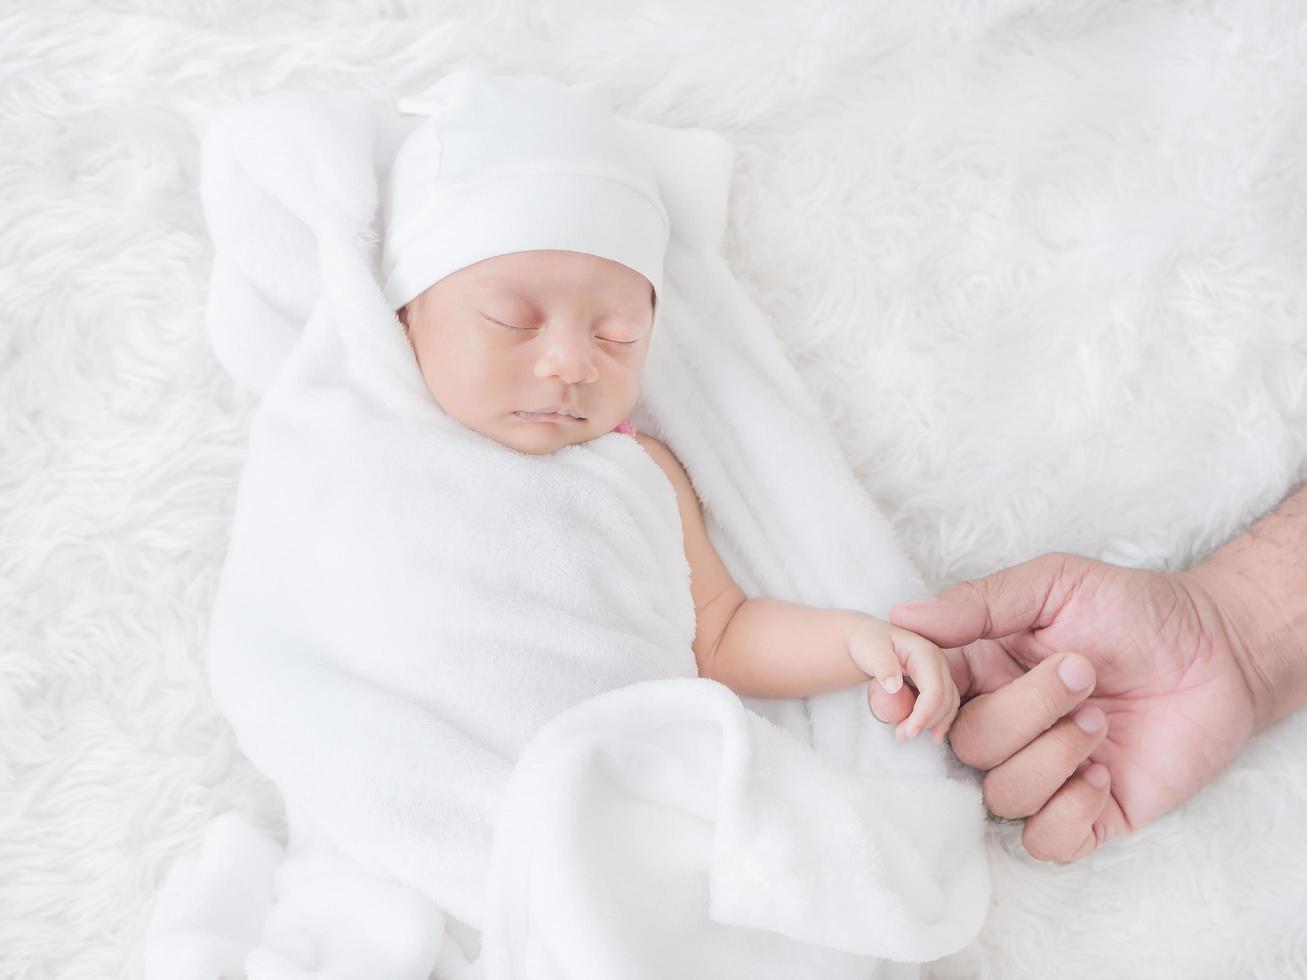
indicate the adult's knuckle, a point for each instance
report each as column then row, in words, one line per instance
column 1089, row 844
column 1002, row 794
column 1069, row 742
column 1064, row 561
column 1042, row 844
column 1044, row 705
column 968, row 745
column 973, row 594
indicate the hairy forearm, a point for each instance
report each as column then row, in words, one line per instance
column 771, row 648
column 1259, row 580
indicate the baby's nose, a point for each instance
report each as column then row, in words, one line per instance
column 571, row 359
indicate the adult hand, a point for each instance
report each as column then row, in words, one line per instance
column 1145, row 660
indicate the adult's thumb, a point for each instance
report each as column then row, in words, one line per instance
column 1008, row 601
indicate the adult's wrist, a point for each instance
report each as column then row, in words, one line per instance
column 1257, row 584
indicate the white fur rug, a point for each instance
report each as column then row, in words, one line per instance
column 1044, row 263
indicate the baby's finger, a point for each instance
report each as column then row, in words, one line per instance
column 874, row 652
column 929, row 674
column 940, row 730
column 922, row 716
column 952, row 700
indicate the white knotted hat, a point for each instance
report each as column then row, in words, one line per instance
column 510, row 164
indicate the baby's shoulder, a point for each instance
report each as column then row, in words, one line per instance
column 656, row 448
column 646, row 440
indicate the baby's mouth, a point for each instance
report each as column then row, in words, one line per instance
column 547, row 417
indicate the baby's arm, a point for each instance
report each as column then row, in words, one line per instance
column 770, row 648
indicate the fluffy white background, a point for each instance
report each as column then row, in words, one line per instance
column 1044, row 263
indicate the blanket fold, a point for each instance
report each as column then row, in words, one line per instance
column 469, row 669
column 717, row 844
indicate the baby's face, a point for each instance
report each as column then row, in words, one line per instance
column 529, row 332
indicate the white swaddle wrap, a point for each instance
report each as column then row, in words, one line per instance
column 468, row 669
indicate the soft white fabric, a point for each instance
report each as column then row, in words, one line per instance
column 508, row 163
column 1039, row 261
column 469, row 669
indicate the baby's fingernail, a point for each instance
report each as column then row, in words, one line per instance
column 893, row 684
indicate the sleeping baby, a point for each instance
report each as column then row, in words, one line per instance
column 523, row 253
column 469, row 622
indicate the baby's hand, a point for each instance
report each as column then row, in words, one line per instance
column 883, row 651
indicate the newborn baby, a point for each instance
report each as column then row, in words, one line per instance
column 464, row 604
column 544, row 348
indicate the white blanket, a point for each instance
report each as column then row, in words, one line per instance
column 468, row 669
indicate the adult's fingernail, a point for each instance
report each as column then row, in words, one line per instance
column 876, row 714
column 1076, row 673
column 1089, row 718
column 1096, row 776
